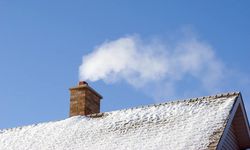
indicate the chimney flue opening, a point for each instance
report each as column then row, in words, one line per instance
column 82, row 83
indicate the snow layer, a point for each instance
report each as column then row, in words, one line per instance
column 189, row 124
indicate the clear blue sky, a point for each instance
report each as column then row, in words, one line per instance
column 42, row 44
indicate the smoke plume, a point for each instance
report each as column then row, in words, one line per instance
column 162, row 65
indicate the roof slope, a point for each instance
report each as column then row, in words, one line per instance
column 189, row 124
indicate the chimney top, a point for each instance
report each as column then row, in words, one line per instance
column 83, row 83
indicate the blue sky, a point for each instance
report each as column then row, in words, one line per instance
column 42, row 44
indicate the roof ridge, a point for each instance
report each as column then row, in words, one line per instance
column 220, row 95
column 35, row 124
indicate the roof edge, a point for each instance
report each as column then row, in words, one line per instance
column 238, row 104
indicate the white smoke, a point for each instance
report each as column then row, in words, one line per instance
column 141, row 63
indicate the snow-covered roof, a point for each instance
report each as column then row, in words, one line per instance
column 187, row 124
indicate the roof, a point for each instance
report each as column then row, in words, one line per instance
column 186, row 124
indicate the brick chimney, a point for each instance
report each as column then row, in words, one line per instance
column 84, row 100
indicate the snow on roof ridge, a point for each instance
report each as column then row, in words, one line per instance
column 220, row 95
column 30, row 125
column 36, row 124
